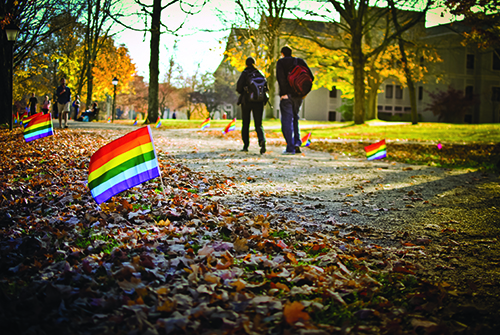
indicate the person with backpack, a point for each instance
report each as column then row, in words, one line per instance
column 295, row 82
column 252, row 87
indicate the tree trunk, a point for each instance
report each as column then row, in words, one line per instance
column 409, row 81
column 271, row 83
column 154, row 63
column 372, row 111
column 358, row 63
column 5, row 59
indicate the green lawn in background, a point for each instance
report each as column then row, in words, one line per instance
column 371, row 130
column 435, row 132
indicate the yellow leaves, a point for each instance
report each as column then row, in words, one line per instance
column 294, row 312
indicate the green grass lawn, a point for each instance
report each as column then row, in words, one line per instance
column 371, row 130
column 435, row 132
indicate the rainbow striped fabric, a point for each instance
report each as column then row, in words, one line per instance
column 109, row 119
column 205, row 124
column 376, row 151
column 122, row 164
column 158, row 122
column 136, row 120
column 230, row 127
column 306, row 140
column 38, row 126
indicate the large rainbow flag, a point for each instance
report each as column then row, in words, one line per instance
column 38, row 126
column 205, row 124
column 306, row 140
column 158, row 122
column 230, row 127
column 376, row 151
column 122, row 164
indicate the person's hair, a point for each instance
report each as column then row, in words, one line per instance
column 250, row 61
column 286, row 51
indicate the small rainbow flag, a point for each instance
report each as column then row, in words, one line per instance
column 39, row 126
column 306, row 140
column 122, row 164
column 16, row 118
column 376, row 151
column 158, row 122
column 205, row 124
column 136, row 120
column 230, row 127
column 109, row 119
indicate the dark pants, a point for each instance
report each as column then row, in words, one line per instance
column 289, row 109
column 257, row 108
column 77, row 110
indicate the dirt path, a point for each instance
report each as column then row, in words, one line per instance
column 447, row 220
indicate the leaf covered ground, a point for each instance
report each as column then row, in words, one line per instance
column 218, row 251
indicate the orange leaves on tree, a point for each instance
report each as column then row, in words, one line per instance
column 294, row 312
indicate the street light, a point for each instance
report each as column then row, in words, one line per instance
column 11, row 30
column 115, row 82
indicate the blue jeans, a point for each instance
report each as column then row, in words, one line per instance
column 289, row 109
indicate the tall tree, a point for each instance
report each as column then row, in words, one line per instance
column 357, row 19
column 153, row 13
column 34, row 21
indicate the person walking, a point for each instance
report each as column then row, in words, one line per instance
column 290, row 99
column 33, row 102
column 252, row 101
column 63, row 102
column 46, row 105
column 76, row 107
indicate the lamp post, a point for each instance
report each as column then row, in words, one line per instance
column 11, row 30
column 115, row 82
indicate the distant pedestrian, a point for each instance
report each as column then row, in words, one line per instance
column 290, row 99
column 174, row 116
column 252, row 87
column 63, row 102
column 76, row 107
column 46, row 105
column 33, row 102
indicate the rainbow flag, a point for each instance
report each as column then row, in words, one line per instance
column 123, row 164
column 109, row 119
column 26, row 119
column 306, row 140
column 376, row 151
column 39, row 126
column 158, row 123
column 205, row 124
column 16, row 118
column 136, row 120
column 230, row 127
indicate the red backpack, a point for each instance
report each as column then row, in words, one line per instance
column 299, row 79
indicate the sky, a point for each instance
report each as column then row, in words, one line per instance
column 197, row 49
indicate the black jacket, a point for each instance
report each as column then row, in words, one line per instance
column 283, row 68
column 243, row 80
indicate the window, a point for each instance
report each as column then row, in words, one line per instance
column 333, row 92
column 496, row 59
column 495, row 94
column 388, row 91
column 380, row 107
column 470, row 61
column 388, row 108
column 332, row 116
column 469, row 92
column 399, row 92
column 398, row 109
column 420, row 93
column 407, row 109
